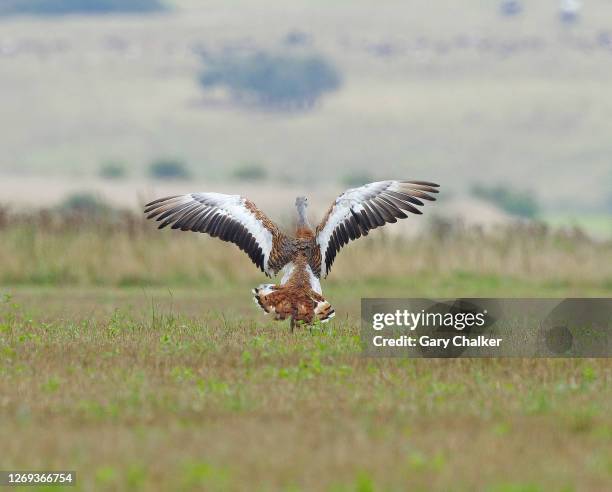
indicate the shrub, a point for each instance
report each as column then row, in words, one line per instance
column 63, row 7
column 510, row 7
column 515, row 202
column 112, row 170
column 297, row 38
column 250, row 172
column 169, row 169
column 273, row 80
column 83, row 203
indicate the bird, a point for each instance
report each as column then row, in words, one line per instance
column 304, row 257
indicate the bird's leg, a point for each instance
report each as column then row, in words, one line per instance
column 292, row 324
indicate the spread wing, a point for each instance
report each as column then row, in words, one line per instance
column 231, row 218
column 358, row 210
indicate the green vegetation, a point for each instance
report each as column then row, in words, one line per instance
column 84, row 203
column 169, row 169
column 598, row 225
column 251, row 171
column 514, row 202
column 125, row 249
column 224, row 399
column 116, row 337
column 62, row 7
column 278, row 81
column 113, row 170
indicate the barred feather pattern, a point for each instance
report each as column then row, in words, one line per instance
column 231, row 218
column 298, row 296
column 359, row 210
column 305, row 257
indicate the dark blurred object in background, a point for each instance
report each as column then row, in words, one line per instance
column 514, row 202
column 113, row 170
column 66, row 7
column 274, row 81
column 510, row 7
column 168, row 168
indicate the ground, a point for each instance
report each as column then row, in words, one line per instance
column 194, row 389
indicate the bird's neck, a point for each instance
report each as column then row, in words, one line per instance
column 302, row 221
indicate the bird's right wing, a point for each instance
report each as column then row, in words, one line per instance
column 231, row 218
column 359, row 210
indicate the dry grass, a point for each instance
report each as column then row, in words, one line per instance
column 137, row 399
column 43, row 249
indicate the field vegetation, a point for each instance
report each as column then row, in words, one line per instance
column 137, row 358
column 169, row 168
column 272, row 81
column 515, row 202
column 81, row 243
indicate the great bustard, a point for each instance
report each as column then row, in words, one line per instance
column 304, row 257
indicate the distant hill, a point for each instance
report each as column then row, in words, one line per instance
column 64, row 7
column 456, row 94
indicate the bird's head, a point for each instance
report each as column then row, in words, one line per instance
column 301, row 202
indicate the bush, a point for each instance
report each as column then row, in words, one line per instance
column 273, row 80
column 297, row 38
column 62, row 7
column 515, row 202
column 250, row 172
column 112, row 170
column 83, row 203
column 169, row 169
column 510, row 7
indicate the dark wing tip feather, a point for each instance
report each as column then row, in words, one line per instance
column 422, row 183
column 192, row 213
column 159, row 200
column 380, row 208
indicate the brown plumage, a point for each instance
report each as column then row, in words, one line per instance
column 304, row 257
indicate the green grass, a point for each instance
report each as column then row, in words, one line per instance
column 599, row 225
column 141, row 389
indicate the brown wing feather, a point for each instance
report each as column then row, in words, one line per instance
column 231, row 218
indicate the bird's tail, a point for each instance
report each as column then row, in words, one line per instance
column 283, row 302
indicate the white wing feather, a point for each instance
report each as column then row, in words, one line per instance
column 199, row 211
column 358, row 210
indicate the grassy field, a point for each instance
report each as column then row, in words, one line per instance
column 143, row 389
column 139, row 360
column 445, row 258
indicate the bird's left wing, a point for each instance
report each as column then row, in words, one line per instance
column 359, row 210
column 231, row 218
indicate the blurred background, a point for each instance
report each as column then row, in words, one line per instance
column 107, row 104
column 505, row 103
